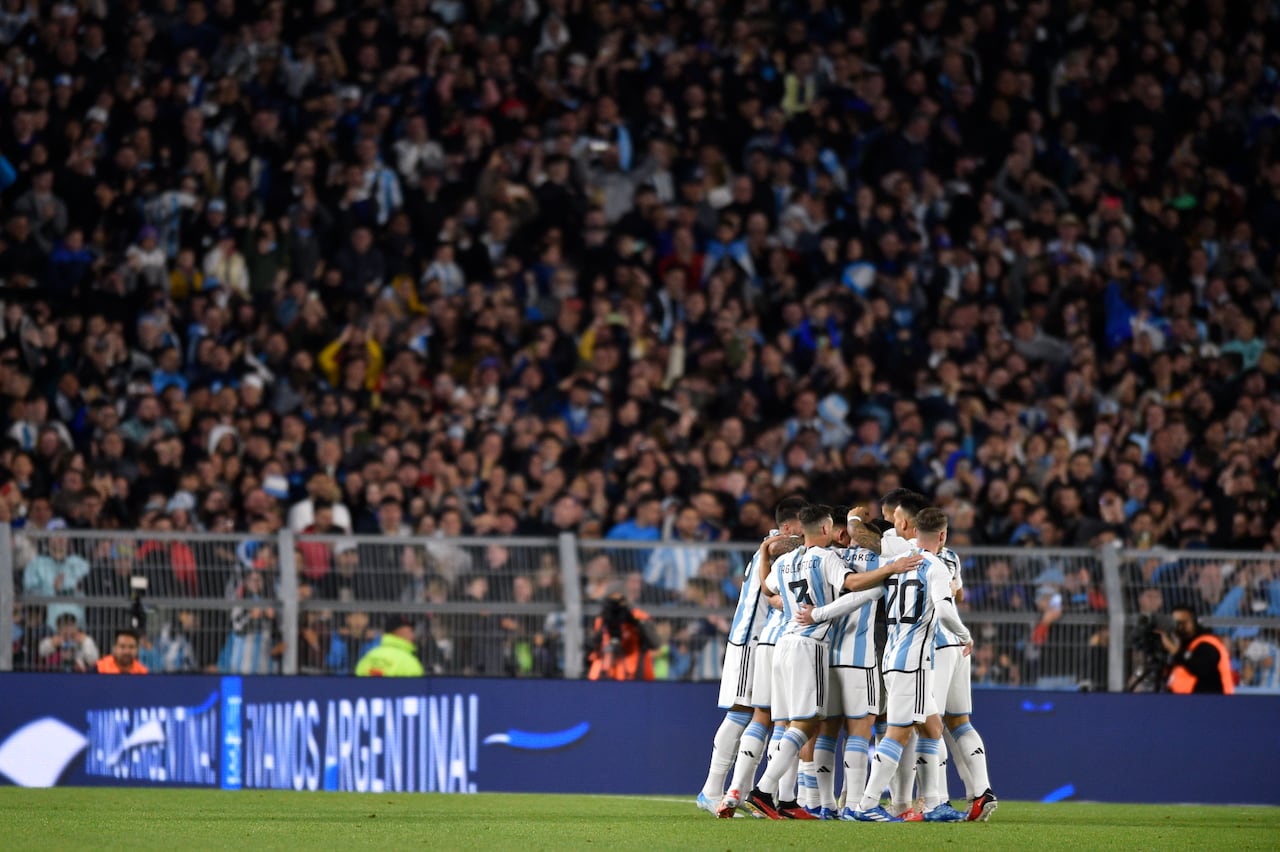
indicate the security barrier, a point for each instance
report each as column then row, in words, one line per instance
column 1076, row 619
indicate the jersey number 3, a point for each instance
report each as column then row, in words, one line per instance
column 800, row 590
column 897, row 606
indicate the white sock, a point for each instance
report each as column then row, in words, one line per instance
column 888, row 754
column 723, row 750
column 903, row 779
column 782, row 763
column 804, row 783
column 824, row 771
column 929, row 763
column 969, row 742
column 944, row 795
column 958, row 758
column 855, row 769
column 750, row 751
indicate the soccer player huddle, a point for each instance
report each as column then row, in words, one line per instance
column 849, row 627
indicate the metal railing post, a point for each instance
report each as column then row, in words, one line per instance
column 288, row 600
column 1114, row 587
column 571, row 576
column 6, row 598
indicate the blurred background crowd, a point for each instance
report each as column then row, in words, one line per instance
column 637, row 269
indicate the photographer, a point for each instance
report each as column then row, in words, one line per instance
column 70, row 649
column 623, row 642
column 1198, row 660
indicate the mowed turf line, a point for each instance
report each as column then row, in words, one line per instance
column 71, row 818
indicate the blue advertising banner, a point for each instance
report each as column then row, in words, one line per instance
column 470, row 735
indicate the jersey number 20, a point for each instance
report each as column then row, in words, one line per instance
column 897, row 606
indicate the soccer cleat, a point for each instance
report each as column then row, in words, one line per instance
column 983, row 807
column 762, row 803
column 791, row 810
column 911, row 815
column 848, row 814
column 944, row 813
column 828, row 814
column 876, row 814
column 814, row 812
column 705, row 803
column 729, row 805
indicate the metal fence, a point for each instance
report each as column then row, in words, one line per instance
column 527, row 607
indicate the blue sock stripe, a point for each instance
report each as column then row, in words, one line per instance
column 890, row 748
column 881, row 728
column 961, row 730
column 777, row 734
column 755, row 729
column 927, row 746
column 825, row 743
column 856, row 743
column 796, row 737
column 741, row 718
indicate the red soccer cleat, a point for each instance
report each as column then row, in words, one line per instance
column 762, row 803
column 911, row 815
column 983, row 807
column 791, row 810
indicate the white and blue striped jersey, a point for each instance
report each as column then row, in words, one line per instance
column 944, row 638
column 892, row 545
column 753, row 609
column 813, row 576
column 911, row 607
column 672, row 568
column 853, row 640
column 772, row 630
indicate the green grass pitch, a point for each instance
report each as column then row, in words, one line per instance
column 70, row 818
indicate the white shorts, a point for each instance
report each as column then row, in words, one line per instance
column 909, row 697
column 855, row 693
column 799, row 678
column 736, row 676
column 951, row 681
column 762, row 676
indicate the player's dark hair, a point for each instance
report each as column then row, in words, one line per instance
column 892, row 499
column 931, row 520
column 912, row 504
column 789, row 509
column 127, row 631
column 811, row 517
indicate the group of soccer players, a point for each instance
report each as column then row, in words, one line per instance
column 849, row 626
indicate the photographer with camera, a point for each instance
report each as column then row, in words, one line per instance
column 1198, row 660
column 70, row 649
column 623, row 642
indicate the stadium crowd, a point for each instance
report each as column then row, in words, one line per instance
column 639, row 269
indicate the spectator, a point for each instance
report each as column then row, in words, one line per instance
column 670, row 569
column 57, row 572
column 251, row 645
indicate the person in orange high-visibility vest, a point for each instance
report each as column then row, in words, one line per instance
column 123, row 658
column 622, row 642
column 1199, row 661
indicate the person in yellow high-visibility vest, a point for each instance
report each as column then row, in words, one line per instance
column 395, row 655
